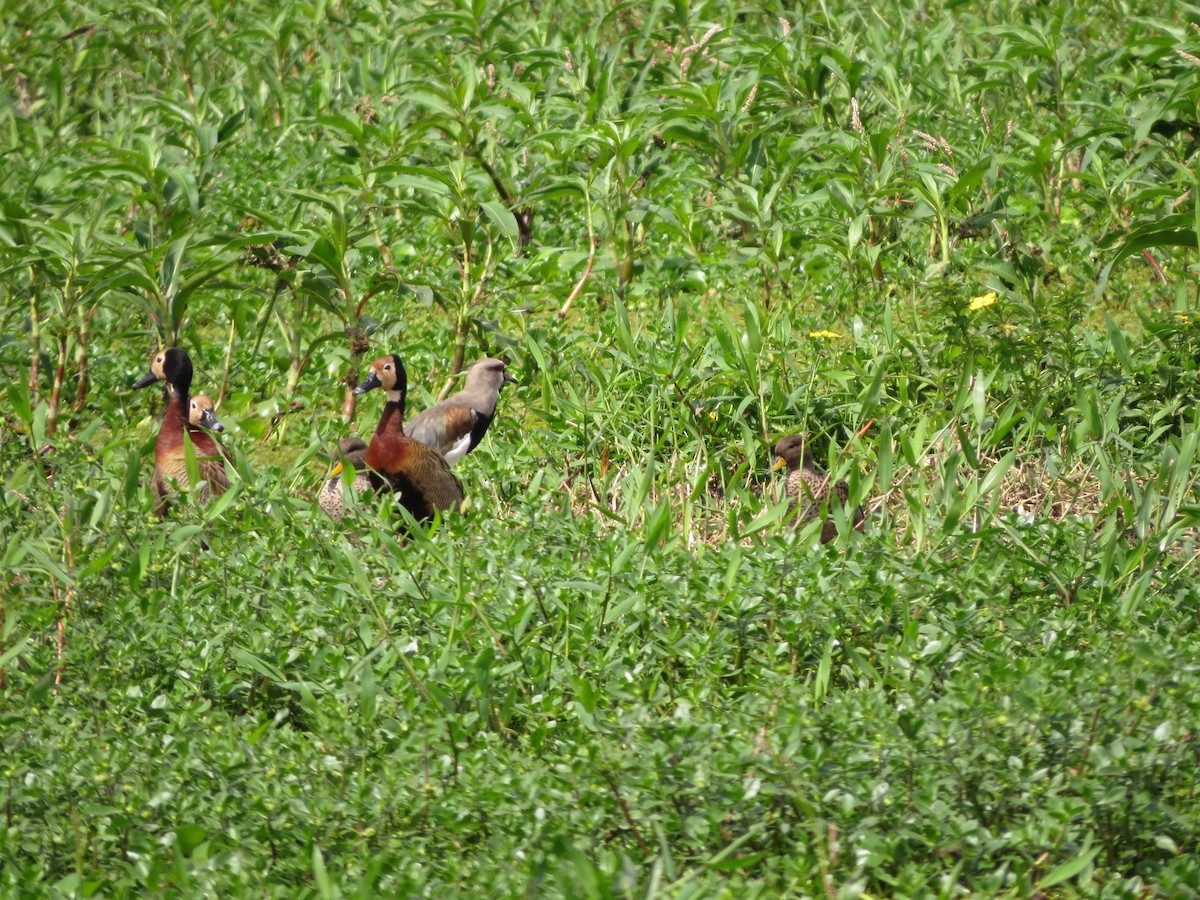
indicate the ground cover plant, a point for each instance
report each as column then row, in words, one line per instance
column 954, row 244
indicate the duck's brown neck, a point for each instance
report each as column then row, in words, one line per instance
column 177, row 408
column 392, row 420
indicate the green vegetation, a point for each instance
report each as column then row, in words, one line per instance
column 954, row 244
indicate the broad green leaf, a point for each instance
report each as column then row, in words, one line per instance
column 1069, row 869
column 367, row 692
column 325, row 889
column 500, row 216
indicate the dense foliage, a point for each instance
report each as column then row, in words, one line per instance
column 952, row 243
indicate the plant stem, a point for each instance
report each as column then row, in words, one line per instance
column 35, row 342
column 82, row 364
column 228, row 363
column 593, row 242
column 460, row 353
column 358, row 346
column 56, row 390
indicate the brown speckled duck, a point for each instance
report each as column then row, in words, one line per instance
column 352, row 451
column 455, row 426
column 393, row 460
column 170, row 461
column 809, row 488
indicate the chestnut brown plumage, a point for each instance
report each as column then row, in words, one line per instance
column 455, row 426
column 394, row 461
column 809, row 487
column 174, row 367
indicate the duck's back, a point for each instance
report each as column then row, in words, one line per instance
column 453, row 428
column 418, row 473
column 809, row 489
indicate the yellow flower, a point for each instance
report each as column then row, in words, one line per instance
column 825, row 334
column 982, row 300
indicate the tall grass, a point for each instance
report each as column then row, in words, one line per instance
column 953, row 246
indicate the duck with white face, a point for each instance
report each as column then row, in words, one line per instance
column 174, row 367
column 393, row 461
column 202, row 412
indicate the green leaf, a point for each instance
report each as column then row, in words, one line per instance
column 1069, row 869
column 190, row 460
column 500, row 216
column 37, row 427
column 217, row 506
column 820, row 685
column 18, row 398
column 367, row 692
column 1116, row 338
column 753, row 329
column 325, row 888
column 184, row 533
column 19, row 645
column 189, row 837
column 246, row 658
column 1163, row 233
column 734, row 863
column 995, row 475
column 770, row 516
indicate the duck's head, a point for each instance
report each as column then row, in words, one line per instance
column 173, row 366
column 200, row 412
column 388, row 373
column 792, row 452
column 352, row 450
column 488, row 375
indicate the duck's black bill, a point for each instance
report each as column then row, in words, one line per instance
column 145, row 381
column 372, row 381
column 209, row 421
